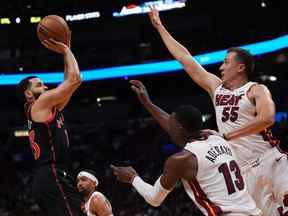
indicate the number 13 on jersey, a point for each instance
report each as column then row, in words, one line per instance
column 227, row 170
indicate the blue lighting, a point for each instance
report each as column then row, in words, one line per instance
column 149, row 68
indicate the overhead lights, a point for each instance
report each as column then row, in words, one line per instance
column 5, row 21
column 161, row 5
column 83, row 16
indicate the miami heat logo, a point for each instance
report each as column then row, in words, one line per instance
column 231, row 106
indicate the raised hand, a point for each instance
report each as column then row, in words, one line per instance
column 138, row 87
column 124, row 174
column 154, row 17
column 56, row 46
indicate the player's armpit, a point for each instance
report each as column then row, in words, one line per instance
column 55, row 96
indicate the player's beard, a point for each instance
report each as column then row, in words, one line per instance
column 37, row 95
column 84, row 193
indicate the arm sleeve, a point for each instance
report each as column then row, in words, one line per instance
column 154, row 195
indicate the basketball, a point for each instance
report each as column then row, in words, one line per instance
column 55, row 27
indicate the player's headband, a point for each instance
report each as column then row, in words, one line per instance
column 89, row 176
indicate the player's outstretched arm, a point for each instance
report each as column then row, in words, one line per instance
column 69, row 64
column 206, row 80
column 153, row 194
column 158, row 114
column 177, row 166
column 58, row 96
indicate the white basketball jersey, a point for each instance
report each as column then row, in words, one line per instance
column 233, row 111
column 87, row 204
column 219, row 188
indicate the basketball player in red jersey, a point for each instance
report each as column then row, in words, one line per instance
column 53, row 187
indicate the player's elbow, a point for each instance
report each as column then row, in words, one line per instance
column 75, row 80
column 269, row 120
column 155, row 200
column 78, row 81
column 154, row 203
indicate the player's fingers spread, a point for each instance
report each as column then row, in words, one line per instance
column 48, row 44
column 45, row 43
column 138, row 84
column 141, row 84
column 115, row 172
column 52, row 41
column 134, row 88
column 150, row 13
column 151, row 8
column 132, row 81
column 135, row 82
column 142, row 91
column 113, row 167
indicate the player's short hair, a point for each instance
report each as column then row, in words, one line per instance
column 189, row 117
column 22, row 86
column 245, row 57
